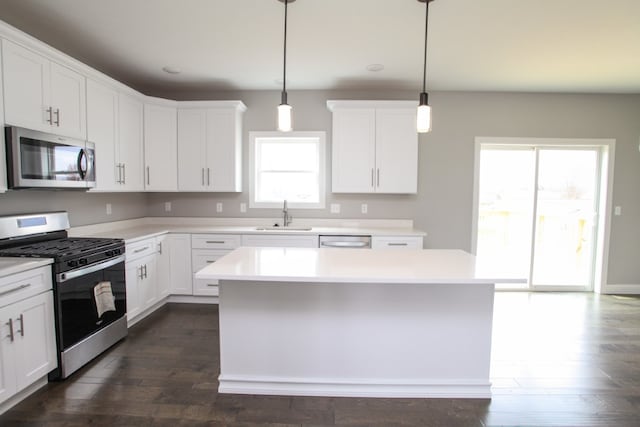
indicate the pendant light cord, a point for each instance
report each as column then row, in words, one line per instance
column 284, row 73
column 426, row 34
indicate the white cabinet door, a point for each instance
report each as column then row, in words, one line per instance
column 396, row 242
column 353, row 150
column 102, row 130
column 148, row 290
column 35, row 336
column 163, row 266
column 396, row 150
column 192, row 155
column 68, row 101
column 26, row 83
column 133, row 277
column 180, row 258
column 130, row 128
column 160, row 148
column 223, row 151
column 8, row 378
column 3, row 163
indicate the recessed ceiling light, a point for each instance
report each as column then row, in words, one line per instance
column 375, row 67
column 171, row 70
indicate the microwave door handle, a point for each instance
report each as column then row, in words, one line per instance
column 82, row 172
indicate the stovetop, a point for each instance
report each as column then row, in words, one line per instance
column 69, row 252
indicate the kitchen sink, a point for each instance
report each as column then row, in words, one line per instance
column 283, row 228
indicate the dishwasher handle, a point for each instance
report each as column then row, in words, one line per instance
column 344, row 244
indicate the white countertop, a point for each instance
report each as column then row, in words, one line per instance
column 11, row 265
column 143, row 228
column 418, row 266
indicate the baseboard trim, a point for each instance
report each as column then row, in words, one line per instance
column 190, row 299
column 629, row 289
column 23, row 394
column 314, row 387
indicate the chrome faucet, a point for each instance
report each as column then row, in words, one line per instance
column 286, row 218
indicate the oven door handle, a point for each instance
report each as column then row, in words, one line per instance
column 63, row 277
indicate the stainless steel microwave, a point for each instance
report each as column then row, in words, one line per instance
column 41, row 160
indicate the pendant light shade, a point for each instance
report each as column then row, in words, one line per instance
column 424, row 110
column 284, row 109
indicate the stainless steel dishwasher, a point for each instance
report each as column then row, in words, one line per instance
column 345, row 242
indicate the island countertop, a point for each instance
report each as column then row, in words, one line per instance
column 416, row 266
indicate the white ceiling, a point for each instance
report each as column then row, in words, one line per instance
column 485, row 45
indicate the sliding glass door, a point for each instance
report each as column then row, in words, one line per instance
column 537, row 214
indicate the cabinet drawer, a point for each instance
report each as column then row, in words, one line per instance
column 140, row 249
column 215, row 241
column 279, row 241
column 401, row 242
column 205, row 287
column 200, row 258
column 23, row 285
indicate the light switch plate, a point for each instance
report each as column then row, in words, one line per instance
column 243, row 207
column 335, row 208
column 364, row 208
column 219, row 207
column 167, row 206
column 109, row 209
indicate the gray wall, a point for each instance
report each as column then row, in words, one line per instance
column 443, row 205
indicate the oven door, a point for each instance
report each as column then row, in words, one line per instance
column 89, row 299
column 37, row 159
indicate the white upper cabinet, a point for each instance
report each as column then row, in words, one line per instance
column 160, row 148
column 42, row 95
column 130, row 134
column 210, row 146
column 102, row 130
column 3, row 163
column 374, row 147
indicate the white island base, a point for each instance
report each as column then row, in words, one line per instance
column 353, row 323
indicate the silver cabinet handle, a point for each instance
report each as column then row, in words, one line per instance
column 57, row 113
column 10, row 324
column 119, row 181
column 372, row 178
column 124, row 173
column 397, row 244
column 21, row 318
column 211, row 285
column 140, row 275
column 208, row 176
column 218, row 242
column 145, row 271
column 148, row 177
column 203, row 177
column 26, row 285
column 50, row 119
column 137, row 251
column 160, row 248
column 378, row 178
column 211, row 262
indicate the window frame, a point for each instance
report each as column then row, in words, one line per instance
column 322, row 169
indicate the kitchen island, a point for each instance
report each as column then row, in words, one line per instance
column 370, row 323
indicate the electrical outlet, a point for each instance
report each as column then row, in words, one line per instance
column 335, row 208
column 617, row 211
column 167, row 206
column 109, row 209
column 364, row 208
column 243, row 207
column 219, row 207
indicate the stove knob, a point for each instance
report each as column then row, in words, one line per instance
column 109, row 253
column 83, row 261
column 73, row 263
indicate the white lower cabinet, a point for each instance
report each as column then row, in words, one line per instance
column 140, row 274
column 27, row 334
column 177, row 247
column 396, row 242
column 207, row 249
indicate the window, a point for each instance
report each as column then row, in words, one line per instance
column 287, row 166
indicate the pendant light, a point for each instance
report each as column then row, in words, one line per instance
column 424, row 110
column 284, row 109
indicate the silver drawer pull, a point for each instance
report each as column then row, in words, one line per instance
column 21, row 325
column 397, row 244
column 141, row 249
column 10, row 324
column 211, row 285
column 26, row 285
column 211, row 262
column 217, row 242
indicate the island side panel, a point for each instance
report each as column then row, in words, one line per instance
column 349, row 339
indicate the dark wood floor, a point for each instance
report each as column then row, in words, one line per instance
column 558, row 360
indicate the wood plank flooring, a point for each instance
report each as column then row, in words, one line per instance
column 559, row 359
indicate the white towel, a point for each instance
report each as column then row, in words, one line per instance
column 105, row 300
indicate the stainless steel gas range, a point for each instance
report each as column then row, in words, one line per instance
column 89, row 286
